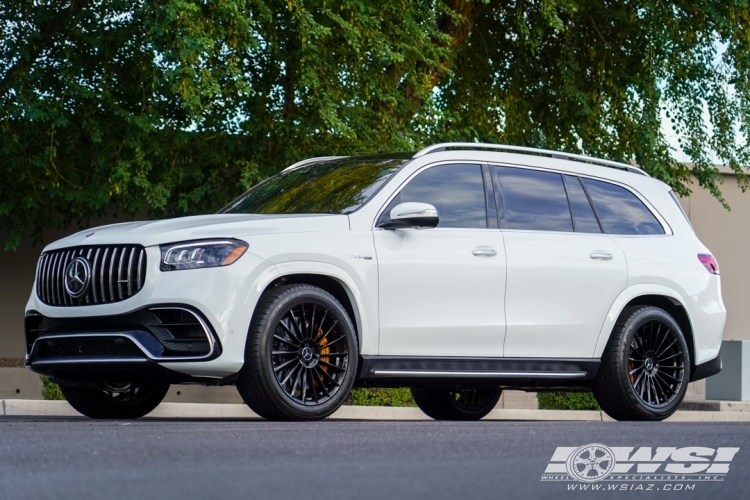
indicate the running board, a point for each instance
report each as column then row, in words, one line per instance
column 506, row 372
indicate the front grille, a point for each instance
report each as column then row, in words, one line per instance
column 88, row 347
column 117, row 273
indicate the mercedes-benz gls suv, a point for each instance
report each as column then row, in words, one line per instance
column 458, row 271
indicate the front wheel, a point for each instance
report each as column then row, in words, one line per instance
column 460, row 404
column 115, row 399
column 301, row 356
column 645, row 367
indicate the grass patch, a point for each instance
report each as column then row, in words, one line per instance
column 362, row 396
column 567, row 401
column 51, row 391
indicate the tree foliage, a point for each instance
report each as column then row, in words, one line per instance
column 173, row 107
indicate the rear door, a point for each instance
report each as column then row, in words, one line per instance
column 563, row 272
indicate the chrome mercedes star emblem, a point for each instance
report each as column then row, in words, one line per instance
column 307, row 354
column 77, row 277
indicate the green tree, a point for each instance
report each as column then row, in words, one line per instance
column 172, row 107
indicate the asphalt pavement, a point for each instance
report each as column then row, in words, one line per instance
column 77, row 458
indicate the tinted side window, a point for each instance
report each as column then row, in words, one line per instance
column 533, row 200
column 457, row 191
column 620, row 211
column 583, row 214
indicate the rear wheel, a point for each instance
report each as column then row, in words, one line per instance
column 461, row 404
column 645, row 367
column 115, row 399
column 301, row 356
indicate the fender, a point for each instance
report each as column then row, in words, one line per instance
column 365, row 320
column 233, row 357
column 624, row 298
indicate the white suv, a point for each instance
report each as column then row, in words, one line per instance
column 457, row 271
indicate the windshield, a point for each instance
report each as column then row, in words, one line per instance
column 329, row 187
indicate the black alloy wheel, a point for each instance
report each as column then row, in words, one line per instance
column 455, row 404
column 656, row 364
column 122, row 400
column 301, row 355
column 309, row 353
column 645, row 367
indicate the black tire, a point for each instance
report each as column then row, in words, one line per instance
column 447, row 404
column 645, row 367
column 115, row 400
column 278, row 380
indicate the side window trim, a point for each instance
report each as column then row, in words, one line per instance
column 591, row 203
column 499, row 201
column 570, row 206
column 489, row 198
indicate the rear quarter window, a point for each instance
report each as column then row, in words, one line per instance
column 620, row 211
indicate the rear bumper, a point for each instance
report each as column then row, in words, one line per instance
column 707, row 369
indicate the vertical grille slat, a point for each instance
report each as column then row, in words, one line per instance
column 120, row 273
column 112, row 277
column 103, row 289
column 48, row 278
column 117, row 273
column 39, row 273
column 63, row 267
column 42, row 279
column 87, row 297
column 94, row 278
column 141, row 268
column 56, row 280
column 130, row 272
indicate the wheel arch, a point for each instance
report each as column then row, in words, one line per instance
column 342, row 289
column 658, row 296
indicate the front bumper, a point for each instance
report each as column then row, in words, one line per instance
column 223, row 297
column 95, row 347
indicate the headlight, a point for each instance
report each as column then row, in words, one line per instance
column 200, row 254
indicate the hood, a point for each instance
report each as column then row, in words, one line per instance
column 149, row 233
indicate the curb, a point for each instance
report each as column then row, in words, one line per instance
column 39, row 408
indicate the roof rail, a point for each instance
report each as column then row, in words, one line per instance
column 312, row 160
column 436, row 148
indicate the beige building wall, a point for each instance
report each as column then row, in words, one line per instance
column 16, row 279
column 726, row 234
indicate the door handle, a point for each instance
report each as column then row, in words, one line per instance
column 600, row 255
column 484, row 251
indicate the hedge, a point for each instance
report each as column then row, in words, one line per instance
column 567, row 401
column 51, row 390
column 380, row 397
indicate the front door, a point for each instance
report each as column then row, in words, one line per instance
column 442, row 290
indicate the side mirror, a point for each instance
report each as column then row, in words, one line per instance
column 412, row 215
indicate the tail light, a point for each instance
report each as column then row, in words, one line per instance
column 709, row 262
